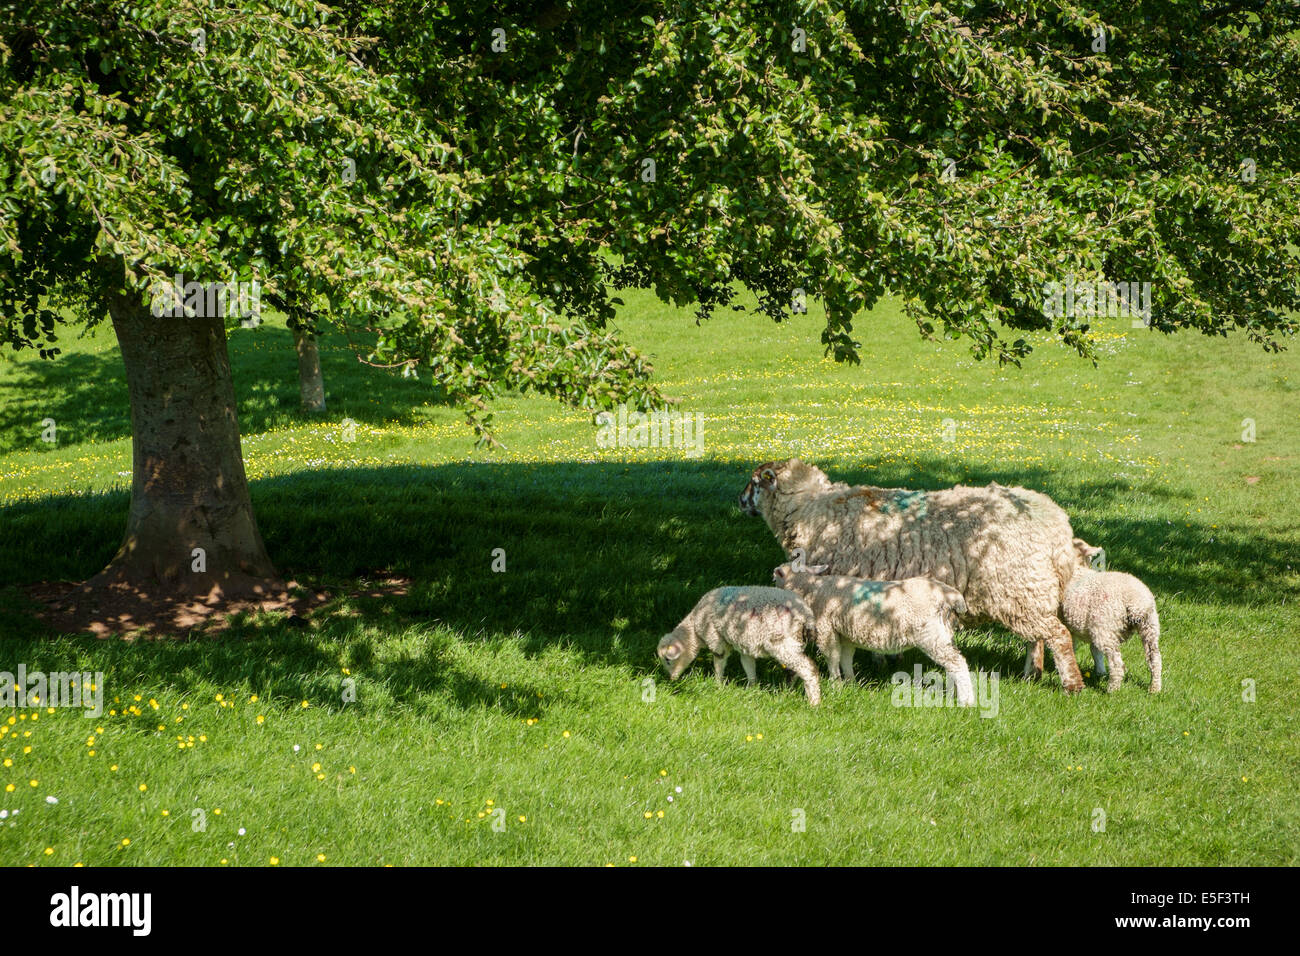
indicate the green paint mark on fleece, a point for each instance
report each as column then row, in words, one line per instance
column 902, row 501
column 729, row 595
column 870, row 591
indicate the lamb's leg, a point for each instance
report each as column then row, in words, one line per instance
column 720, row 664
column 1059, row 639
column 937, row 644
column 833, row 651
column 751, row 670
column 1098, row 660
column 1149, row 629
column 1116, row 667
column 791, row 656
column 847, row 651
column 959, row 674
column 1034, row 662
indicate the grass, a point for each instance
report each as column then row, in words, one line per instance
column 526, row 691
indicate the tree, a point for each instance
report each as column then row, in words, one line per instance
column 471, row 191
column 303, row 324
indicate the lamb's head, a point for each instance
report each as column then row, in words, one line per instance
column 797, row 576
column 677, row 651
column 783, row 573
column 775, row 478
column 1086, row 556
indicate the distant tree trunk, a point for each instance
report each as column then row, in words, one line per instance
column 191, row 534
column 311, row 384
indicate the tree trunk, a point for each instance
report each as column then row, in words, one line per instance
column 192, row 544
column 311, row 384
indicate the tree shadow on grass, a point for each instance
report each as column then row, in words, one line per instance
column 602, row 558
column 86, row 394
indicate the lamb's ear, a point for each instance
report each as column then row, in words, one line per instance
column 670, row 652
column 818, row 568
column 767, row 474
column 778, row 573
column 1087, row 553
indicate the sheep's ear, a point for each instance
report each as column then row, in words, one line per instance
column 767, row 474
column 778, row 573
column 1093, row 557
column 671, row 652
column 818, row 568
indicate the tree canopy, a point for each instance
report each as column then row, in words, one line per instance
column 502, row 192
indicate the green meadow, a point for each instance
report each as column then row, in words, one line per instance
column 438, row 711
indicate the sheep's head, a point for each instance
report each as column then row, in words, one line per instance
column 779, row 477
column 676, row 653
column 1086, row 556
column 781, row 574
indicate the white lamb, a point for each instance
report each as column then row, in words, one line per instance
column 885, row 616
column 1106, row 608
column 756, row 622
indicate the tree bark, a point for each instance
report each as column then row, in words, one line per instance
column 191, row 542
column 311, row 384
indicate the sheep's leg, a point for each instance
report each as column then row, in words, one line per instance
column 828, row 642
column 833, row 651
column 846, row 660
column 1116, row 668
column 720, row 664
column 1034, row 662
column 751, row 669
column 951, row 660
column 1150, row 631
column 1059, row 639
column 1098, row 660
column 791, row 656
column 1153, row 662
column 935, row 641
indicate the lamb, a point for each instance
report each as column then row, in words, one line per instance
column 882, row 616
column 757, row 622
column 1008, row 551
column 1104, row 609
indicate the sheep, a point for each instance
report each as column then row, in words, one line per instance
column 881, row 616
column 1008, row 551
column 757, row 622
column 1104, row 609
